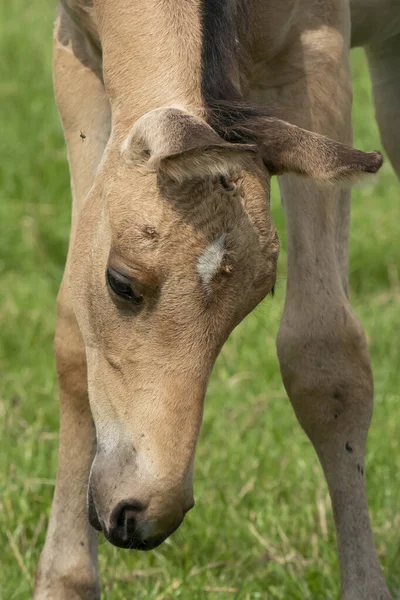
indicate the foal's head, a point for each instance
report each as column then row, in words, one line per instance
column 175, row 245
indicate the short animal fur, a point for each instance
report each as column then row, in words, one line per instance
column 176, row 113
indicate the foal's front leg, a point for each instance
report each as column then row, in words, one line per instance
column 68, row 565
column 326, row 371
column 321, row 344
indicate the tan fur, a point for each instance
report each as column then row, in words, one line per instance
column 153, row 186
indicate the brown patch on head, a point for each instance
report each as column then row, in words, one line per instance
column 151, row 232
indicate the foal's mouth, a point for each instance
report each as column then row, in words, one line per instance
column 134, row 542
column 130, row 542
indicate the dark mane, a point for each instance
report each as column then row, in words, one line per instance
column 224, row 26
column 236, row 121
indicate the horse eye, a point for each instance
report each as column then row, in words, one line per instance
column 121, row 286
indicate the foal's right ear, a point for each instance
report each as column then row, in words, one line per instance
column 286, row 148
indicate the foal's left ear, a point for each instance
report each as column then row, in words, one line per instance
column 289, row 149
column 182, row 145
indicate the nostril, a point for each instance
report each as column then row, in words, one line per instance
column 124, row 518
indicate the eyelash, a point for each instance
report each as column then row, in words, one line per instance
column 122, row 287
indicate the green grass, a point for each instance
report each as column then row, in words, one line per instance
column 262, row 526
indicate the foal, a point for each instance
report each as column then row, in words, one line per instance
column 172, row 244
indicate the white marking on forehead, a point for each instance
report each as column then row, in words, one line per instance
column 210, row 261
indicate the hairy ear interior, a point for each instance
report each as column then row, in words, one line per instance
column 182, row 145
column 287, row 148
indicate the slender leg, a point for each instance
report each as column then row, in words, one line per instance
column 68, row 565
column 384, row 65
column 326, row 371
column 321, row 345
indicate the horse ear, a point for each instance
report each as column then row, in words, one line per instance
column 286, row 148
column 177, row 143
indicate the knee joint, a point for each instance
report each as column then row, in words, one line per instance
column 327, row 375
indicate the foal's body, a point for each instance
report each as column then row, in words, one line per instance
column 119, row 59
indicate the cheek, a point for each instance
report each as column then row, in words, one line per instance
column 261, row 286
column 105, row 394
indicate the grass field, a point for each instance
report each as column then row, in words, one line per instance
column 262, row 526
